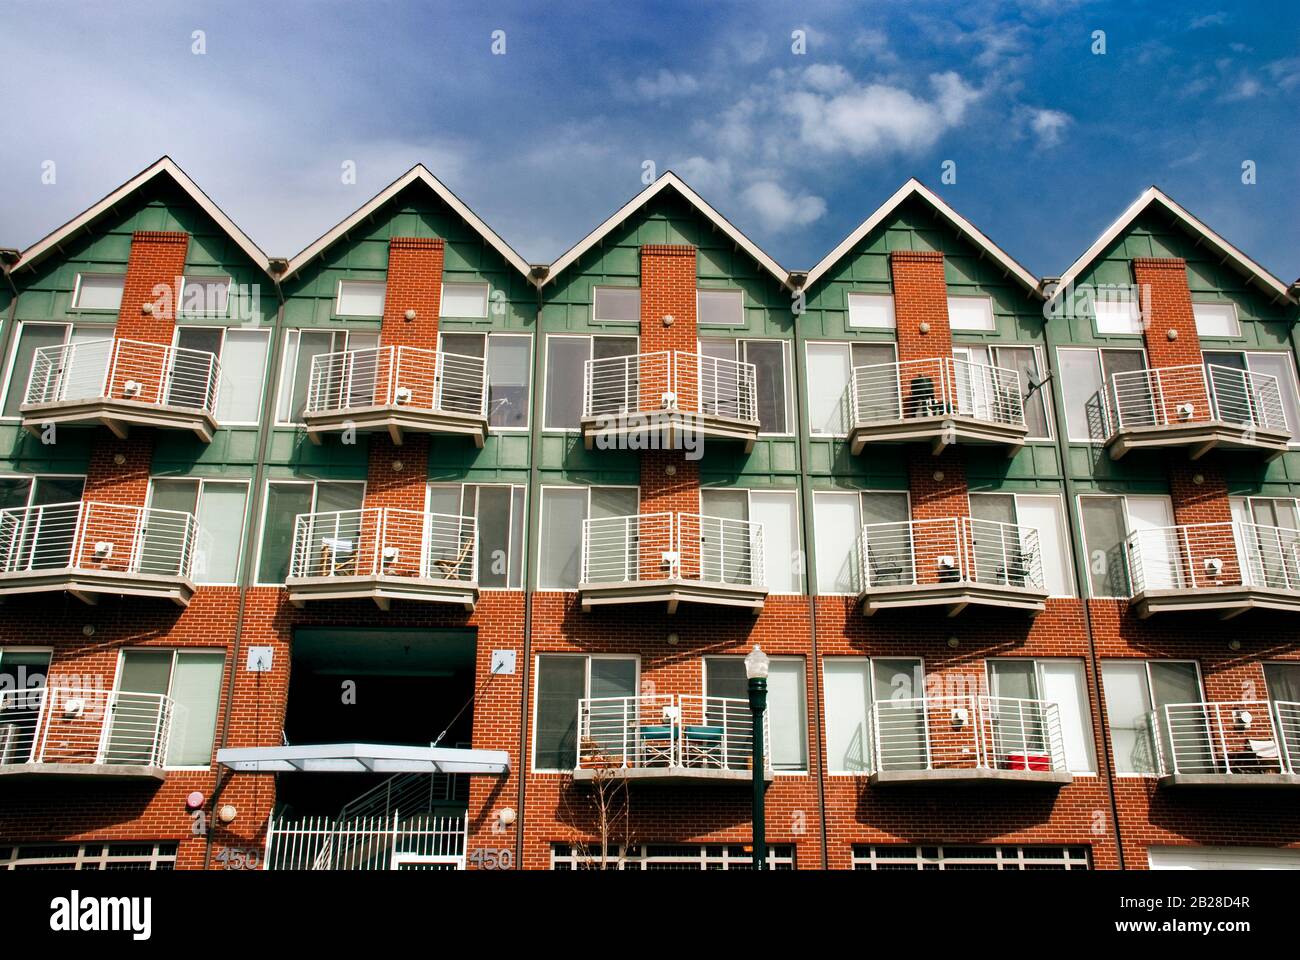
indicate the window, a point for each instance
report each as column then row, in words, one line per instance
column 830, row 371
column 1062, row 682
column 1085, row 373
column 871, row 311
column 616, row 305
column 1271, row 550
column 192, row 679
column 851, row 685
column 1135, row 688
column 132, row 855
column 1282, row 680
column 1216, row 320
column 1107, row 523
column 1277, row 364
column 1046, row 514
column 82, row 375
column 838, row 519
column 1116, row 314
column 1025, row 363
column 778, row 513
column 561, row 682
column 35, row 549
column 566, row 359
column 21, row 669
column 897, row 857
column 508, row 372
column 563, row 510
column 787, row 714
column 771, row 384
column 499, row 512
column 204, row 296
column 360, row 298
column 970, row 313
column 301, row 347
column 241, row 354
column 720, row 308
column 468, row 300
column 285, row 500
column 97, row 291
column 668, row 856
column 219, row 508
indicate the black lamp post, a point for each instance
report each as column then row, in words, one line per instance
column 756, row 665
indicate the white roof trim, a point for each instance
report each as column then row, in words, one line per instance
column 1156, row 195
column 668, row 179
column 421, row 173
column 964, row 226
column 51, row 241
column 363, row 758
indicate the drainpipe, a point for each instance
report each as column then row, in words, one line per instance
column 248, row 565
column 8, row 258
column 795, row 282
column 1078, row 553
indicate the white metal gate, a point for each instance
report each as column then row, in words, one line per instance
column 393, row 842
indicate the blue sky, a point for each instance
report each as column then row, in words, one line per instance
column 1050, row 140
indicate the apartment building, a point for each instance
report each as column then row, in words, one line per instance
column 405, row 553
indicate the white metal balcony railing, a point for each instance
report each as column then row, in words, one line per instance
column 667, row 546
column 392, row 842
column 966, row 732
column 1171, row 396
column 48, row 725
column 1230, row 737
column 383, row 541
column 938, row 387
column 670, row 381
column 950, row 550
column 409, row 377
column 125, row 370
column 673, row 731
column 98, row 538
column 1200, row 555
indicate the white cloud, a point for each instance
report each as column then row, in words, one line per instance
column 777, row 209
column 665, row 85
column 1047, row 126
column 827, row 77
column 1209, row 20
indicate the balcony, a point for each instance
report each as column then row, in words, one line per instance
column 118, row 383
column 667, row 738
column 1183, row 407
column 384, row 555
column 951, row 562
column 397, row 389
column 939, row 401
column 649, row 400
column 967, row 739
column 1248, row 743
column 69, row 732
column 1224, row 568
column 89, row 549
column 672, row 559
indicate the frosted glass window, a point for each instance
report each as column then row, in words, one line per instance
column 562, row 514
column 196, row 689
column 828, row 383
column 837, row 523
column 970, row 313
column 1216, row 320
column 1117, row 316
column 360, row 298
column 1128, row 703
column 565, row 361
column 205, row 296
column 789, row 722
column 98, row 292
column 616, row 305
column 1063, row 682
column 1047, row 515
column 871, row 311
column 243, row 373
column 464, row 300
column 778, row 512
column 221, row 532
column 508, row 379
column 724, row 308
column 847, row 683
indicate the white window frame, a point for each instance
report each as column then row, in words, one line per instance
column 1063, row 531
column 110, row 332
column 851, row 295
column 541, row 513
column 266, row 499
column 537, row 685
column 487, row 345
column 864, row 856
column 442, row 299
column 1146, row 672
column 780, row 856
column 783, row 658
column 736, row 291
column 848, row 387
column 227, row 664
column 812, row 568
column 790, row 413
column 181, row 313
column 203, row 483
column 1038, row 681
column 1097, row 350
column 991, row 348
column 1235, row 319
column 1135, row 311
column 76, row 293
column 992, row 326
column 619, row 287
column 749, row 492
column 870, row 678
column 522, row 489
column 546, row 371
column 338, row 299
column 1128, row 528
column 1291, row 371
column 33, row 477
column 77, row 858
column 291, row 346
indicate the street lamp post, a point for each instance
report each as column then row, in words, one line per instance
column 756, row 665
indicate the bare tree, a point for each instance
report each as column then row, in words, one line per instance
column 605, row 811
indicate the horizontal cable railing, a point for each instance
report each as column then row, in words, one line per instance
column 366, row 843
column 385, row 541
column 662, row 546
column 1225, row 554
column 97, row 538
column 118, row 369
column 1227, row 737
column 402, row 376
column 1168, row 396
column 667, row 731
column 937, row 387
column 966, row 732
column 950, row 550
column 670, row 381
column 70, row 725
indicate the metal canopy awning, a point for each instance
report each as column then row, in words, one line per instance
column 363, row 758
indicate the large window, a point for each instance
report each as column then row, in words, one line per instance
column 1025, row 362
column 464, row 300
column 36, row 543
column 1085, row 375
column 851, row 685
column 720, row 308
column 1046, row 514
column 301, row 347
column 561, row 682
column 285, row 500
column 970, row 313
column 770, row 380
column 82, row 375
column 871, row 311
column 204, row 297
column 1276, row 364
column 128, row 855
column 778, row 512
column 1107, row 523
column 242, row 356
column 218, row 506
column 1119, row 313
column 786, row 704
column 1062, row 682
column 509, row 373
column 98, row 291
column 838, row 519
column 616, row 304
column 192, row 679
column 1216, row 319
column 830, row 373
column 1133, row 690
column 499, row 512
column 563, row 510
column 566, row 359
column 360, row 298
